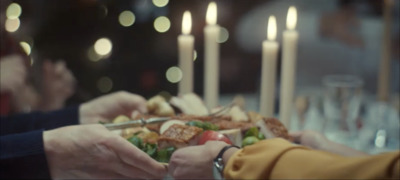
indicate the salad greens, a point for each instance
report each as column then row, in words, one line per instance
column 161, row 155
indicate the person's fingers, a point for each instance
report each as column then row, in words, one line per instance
column 107, row 175
column 69, row 78
column 135, row 157
column 134, row 172
column 134, row 114
column 60, row 67
column 133, row 102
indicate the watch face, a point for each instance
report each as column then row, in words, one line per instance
column 216, row 172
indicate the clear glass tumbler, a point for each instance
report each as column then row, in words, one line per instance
column 342, row 100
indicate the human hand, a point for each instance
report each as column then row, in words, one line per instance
column 106, row 108
column 58, row 84
column 196, row 162
column 318, row 141
column 93, row 152
column 13, row 73
column 309, row 138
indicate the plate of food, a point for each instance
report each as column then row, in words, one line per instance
column 185, row 121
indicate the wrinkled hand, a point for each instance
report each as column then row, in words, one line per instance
column 91, row 151
column 58, row 84
column 108, row 107
column 195, row 162
column 13, row 73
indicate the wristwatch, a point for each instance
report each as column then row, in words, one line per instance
column 218, row 163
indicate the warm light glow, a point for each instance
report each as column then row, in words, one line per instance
column 160, row 3
column 211, row 16
column 12, row 25
column 162, row 24
column 103, row 46
column 174, row 74
column 13, row 11
column 186, row 23
column 223, row 35
column 271, row 34
column 291, row 18
column 126, row 18
column 26, row 47
column 104, row 84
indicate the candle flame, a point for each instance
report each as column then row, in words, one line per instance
column 271, row 34
column 186, row 22
column 291, row 18
column 211, row 16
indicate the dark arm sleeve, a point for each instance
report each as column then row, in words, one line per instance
column 39, row 120
column 22, row 156
column 21, row 142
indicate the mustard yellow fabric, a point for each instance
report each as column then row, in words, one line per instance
column 279, row 159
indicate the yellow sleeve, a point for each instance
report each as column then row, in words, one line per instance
column 280, row 159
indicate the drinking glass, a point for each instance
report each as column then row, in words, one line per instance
column 342, row 97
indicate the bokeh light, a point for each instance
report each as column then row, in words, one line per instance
column 223, row 35
column 194, row 55
column 162, row 24
column 174, row 74
column 160, row 3
column 104, row 84
column 26, row 47
column 13, row 11
column 12, row 25
column 126, row 18
column 103, row 46
column 92, row 55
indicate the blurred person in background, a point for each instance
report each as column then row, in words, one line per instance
column 18, row 91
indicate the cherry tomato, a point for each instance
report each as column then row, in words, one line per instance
column 213, row 136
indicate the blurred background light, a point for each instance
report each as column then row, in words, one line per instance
column 13, row 11
column 223, row 35
column 92, row 55
column 103, row 46
column 194, row 55
column 160, row 3
column 26, row 47
column 12, row 25
column 126, row 18
column 162, row 24
column 104, row 10
column 174, row 74
column 104, row 84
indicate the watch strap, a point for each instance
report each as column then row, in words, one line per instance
column 218, row 167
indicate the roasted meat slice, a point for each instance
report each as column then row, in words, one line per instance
column 179, row 136
column 226, row 124
column 272, row 127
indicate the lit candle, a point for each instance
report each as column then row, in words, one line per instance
column 211, row 66
column 384, row 68
column 268, row 72
column 185, row 46
column 289, row 52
